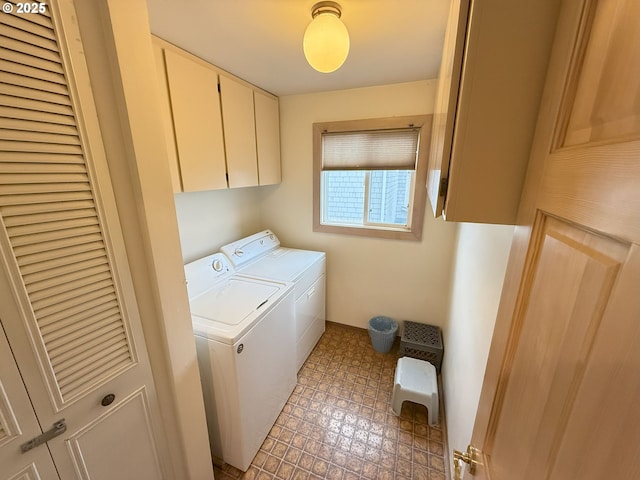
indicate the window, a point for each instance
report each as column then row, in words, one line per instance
column 370, row 176
column 366, row 197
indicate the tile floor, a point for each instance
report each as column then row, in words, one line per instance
column 338, row 423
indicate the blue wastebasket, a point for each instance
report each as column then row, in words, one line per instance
column 382, row 331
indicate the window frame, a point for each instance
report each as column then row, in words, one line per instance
column 418, row 196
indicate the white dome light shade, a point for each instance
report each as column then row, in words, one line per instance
column 326, row 39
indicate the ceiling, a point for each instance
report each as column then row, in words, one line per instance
column 392, row 41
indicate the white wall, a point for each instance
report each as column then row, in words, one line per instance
column 117, row 44
column 406, row 280
column 481, row 253
column 208, row 220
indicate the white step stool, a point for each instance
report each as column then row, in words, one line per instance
column 416, row 381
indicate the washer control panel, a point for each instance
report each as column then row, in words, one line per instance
column 205, row 272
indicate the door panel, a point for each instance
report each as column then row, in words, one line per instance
column 567, row 289
column 562, row 384
column 604, row 419
column 97, row 449
column 599, row 113
column 29, row 472
column 18, row 424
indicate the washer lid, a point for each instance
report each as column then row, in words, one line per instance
column 234, row 300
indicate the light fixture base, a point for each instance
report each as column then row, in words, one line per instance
column 326, row 7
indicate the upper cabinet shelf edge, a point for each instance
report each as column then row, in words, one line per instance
column 493, row 70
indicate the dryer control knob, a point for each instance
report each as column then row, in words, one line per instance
column 217, row 265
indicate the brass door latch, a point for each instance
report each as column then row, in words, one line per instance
column 470, row 457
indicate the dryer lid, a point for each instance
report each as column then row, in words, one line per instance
column 285, row 264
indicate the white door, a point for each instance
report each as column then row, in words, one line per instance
column 18, row 424
column 561, row 394
column 66, row 299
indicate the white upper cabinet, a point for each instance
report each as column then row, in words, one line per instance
column 197, row 123
column 267, row 138
column 239, row 133
column 221, row 132
column 491, row 77
column 165, row 108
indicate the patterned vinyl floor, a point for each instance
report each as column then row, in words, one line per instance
column 338, row 422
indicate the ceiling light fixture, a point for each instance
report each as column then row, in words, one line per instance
column 326, row 39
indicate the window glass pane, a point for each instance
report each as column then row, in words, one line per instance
column 389, row 196
column 343, row 194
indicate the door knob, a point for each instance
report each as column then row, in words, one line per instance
column 470, row 457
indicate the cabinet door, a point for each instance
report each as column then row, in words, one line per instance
column 239, row 133
column 267, row 138
column 195, row 104
column 488, row 96
column 445, row 106
column 165, row 111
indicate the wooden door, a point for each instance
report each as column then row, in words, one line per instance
column 66, row 299
column 561, row 394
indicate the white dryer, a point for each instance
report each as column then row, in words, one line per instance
column 242, row 327
column 261, row 256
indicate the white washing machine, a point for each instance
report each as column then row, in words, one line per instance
column 242, row 328
column 261, row 256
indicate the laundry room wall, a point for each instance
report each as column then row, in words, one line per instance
column 207, row 220
column 481, row 253
column 407, row 280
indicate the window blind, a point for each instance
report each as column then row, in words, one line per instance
column 395, row 149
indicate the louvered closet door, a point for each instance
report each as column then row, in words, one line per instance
column 66, row 299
